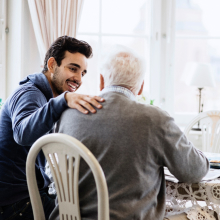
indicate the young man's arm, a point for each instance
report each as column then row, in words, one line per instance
column 32, row 116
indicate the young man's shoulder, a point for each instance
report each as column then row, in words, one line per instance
column 28, row 87
column 28, row 92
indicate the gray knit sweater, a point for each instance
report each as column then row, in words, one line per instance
column 132, row 142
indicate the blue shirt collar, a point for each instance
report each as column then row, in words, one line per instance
column 119, row 89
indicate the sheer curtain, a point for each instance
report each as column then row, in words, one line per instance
column 52, row 19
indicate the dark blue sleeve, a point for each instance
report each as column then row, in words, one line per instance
column 32, row 116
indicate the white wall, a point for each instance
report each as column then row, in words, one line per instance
column 22, row 53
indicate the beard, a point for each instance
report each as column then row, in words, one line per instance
column 57, row 82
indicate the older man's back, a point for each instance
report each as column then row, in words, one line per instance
column 132, row 142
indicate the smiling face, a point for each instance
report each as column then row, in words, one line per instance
column 67, row 76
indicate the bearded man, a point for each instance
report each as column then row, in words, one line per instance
column 31, row 112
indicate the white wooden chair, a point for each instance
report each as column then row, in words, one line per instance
column 63, row 153
column 210, row 127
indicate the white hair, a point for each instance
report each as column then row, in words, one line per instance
column 123, row 67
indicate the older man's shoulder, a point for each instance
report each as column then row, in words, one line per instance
column 152, row 110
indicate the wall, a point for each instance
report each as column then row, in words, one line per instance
column 22, row 53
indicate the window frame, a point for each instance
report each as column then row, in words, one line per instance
column 162, row 47
column 181, row 118
column 162, row 53
column 101, row 34
column 161, row 63
column 3, row 38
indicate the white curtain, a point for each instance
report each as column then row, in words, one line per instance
column 52, row 19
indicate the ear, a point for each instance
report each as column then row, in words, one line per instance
column 141, row 89
column 51, row 64
column 102, row 83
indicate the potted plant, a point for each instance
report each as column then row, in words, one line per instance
column 143, row 99
column 1, row 103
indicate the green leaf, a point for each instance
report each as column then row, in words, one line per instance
column 1, row 103
column 151, row 101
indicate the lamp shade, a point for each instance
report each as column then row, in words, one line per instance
column 198, row 74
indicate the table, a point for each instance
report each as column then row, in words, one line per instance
column 192, row 197
column 199, row 201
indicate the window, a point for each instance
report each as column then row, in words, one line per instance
column 166, row 33
column 3, row 49
column 197, row 40
column 109, row 23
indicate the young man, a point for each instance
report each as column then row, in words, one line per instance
column 31, row 112
column 132, row 142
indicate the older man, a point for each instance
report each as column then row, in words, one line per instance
column 132, row 142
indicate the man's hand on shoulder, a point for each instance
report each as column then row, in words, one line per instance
column 83, row 103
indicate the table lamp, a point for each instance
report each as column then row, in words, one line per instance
column 199, row 75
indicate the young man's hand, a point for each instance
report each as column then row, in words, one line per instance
column 83, row 103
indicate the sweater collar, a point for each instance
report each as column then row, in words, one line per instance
column 119, row 89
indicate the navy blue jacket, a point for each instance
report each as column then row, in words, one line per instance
column 29, row 113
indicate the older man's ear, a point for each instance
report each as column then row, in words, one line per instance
column 141, row 89
column 102, row 83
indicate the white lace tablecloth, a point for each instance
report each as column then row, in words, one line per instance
column 199, row 201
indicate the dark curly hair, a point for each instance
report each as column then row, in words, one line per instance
column 63, row 44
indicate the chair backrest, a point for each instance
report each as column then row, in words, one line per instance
column 63, row 154
column 210, row 127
